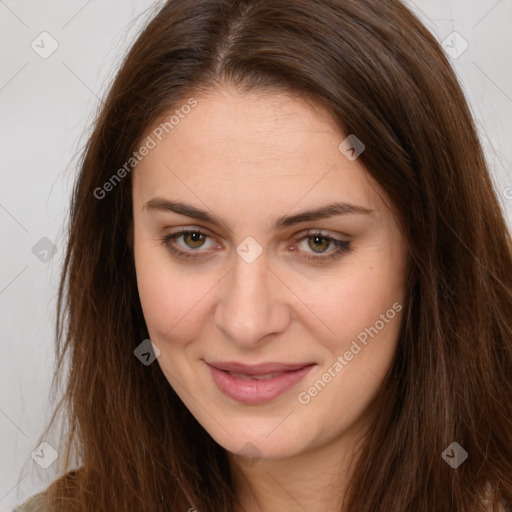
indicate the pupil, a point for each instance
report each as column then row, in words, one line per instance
column 195, row 238
column 317, row 241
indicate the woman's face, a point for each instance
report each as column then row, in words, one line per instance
column 275, row 324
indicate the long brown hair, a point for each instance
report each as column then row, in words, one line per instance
column 383, row 77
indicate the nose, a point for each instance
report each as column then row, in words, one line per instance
column 251, row 304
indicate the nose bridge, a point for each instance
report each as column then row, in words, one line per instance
column 249, row 308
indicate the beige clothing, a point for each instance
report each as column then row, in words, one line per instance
column 33, row 504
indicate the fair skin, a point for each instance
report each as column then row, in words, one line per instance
column 249, row 159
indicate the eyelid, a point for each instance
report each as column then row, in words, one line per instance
column 320, row 232
column 297, row 236
column 340, row 245
column 183, row 231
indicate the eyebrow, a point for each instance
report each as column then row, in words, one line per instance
column 324, row 212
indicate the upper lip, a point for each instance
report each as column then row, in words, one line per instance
column 257, row 369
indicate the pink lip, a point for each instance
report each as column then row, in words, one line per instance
column 252, row 391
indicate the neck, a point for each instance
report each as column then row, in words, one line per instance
column 315, row 480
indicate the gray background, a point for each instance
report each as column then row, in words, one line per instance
column 47, row 106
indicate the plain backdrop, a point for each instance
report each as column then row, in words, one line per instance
column 47, row 105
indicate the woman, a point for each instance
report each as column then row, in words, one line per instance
column 288, row 279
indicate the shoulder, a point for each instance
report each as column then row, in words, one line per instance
column 499, row 507
column 34, row 504
column 493, row 502
column 64, row 487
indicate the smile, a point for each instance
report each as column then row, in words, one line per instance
column 257, row 384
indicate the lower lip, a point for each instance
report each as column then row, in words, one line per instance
column 257, row 391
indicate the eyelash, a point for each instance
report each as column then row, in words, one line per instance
column 341, row 246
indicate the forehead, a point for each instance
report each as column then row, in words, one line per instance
column 256, row 147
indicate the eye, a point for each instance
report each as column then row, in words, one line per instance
column 319, row 242
column 316, row 248
column 193, row 239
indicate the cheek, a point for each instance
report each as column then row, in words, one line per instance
column 358, row 300
column 170, row 298
column 364, row 306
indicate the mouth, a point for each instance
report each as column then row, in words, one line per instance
column 257, row 384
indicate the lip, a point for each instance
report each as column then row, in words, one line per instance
column 252, row 391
